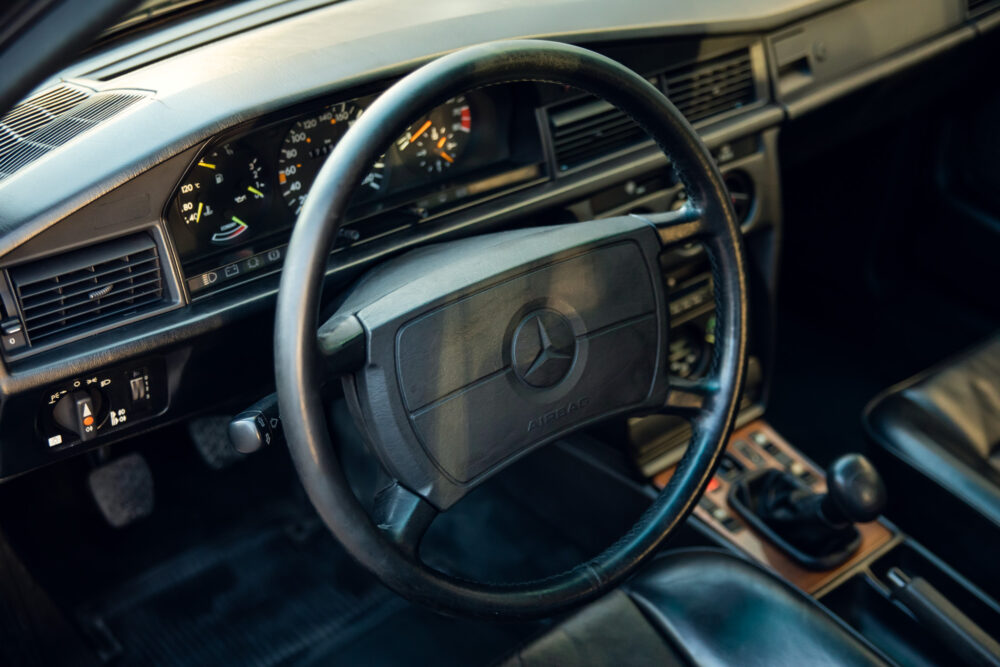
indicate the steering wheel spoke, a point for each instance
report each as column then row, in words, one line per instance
column 690, row 399
column 402, row 516
column 342, row 344
column 678, row 227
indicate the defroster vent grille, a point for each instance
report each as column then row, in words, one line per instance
column 86, row 290
column 51, row 119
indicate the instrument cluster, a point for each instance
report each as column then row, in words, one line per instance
column 233, row 211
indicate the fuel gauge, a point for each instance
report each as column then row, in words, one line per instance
column 224, row 195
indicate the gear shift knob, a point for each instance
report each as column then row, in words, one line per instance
column 855, row 492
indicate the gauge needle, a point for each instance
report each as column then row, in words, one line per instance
column 423, row 128
column 201, row 205
column 442, row 141
column 446, row 156
column 255, row 191
column 206, row 164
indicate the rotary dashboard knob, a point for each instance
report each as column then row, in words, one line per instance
column 77, row 411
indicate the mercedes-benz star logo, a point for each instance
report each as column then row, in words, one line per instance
column 543, row 348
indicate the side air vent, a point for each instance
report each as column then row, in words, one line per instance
column 89, row 289
column 49, row 120
column 591, row 129
column 712, row 88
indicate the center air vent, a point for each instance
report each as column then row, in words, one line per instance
column 90, row 289
column 711, row 88
column 590, row 129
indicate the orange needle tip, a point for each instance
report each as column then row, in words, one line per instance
column 423, row 128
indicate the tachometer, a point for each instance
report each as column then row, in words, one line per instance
column 306, row 146
column 437, row 141
column 223, row 195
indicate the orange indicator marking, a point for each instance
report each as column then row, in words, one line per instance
column 442, row 140
column 281, row 177
column 446, row 156
column 423, row 128
column 87, row 421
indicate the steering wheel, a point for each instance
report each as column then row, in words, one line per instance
column 458, row 358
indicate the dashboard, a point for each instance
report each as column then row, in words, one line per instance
column 141, row 287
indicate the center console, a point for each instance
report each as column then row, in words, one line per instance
column 898, row 594
column 757, row 448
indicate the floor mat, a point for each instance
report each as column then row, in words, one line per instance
column 260, row 600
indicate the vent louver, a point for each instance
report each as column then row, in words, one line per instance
column 53, row 118
column 712, row 88
column 591, row 129
column 89, row 289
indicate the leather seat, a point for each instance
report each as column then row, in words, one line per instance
column 703, row 607
column 945, row 425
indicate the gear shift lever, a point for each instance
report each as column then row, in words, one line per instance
column 855, row 492
column 817, row 530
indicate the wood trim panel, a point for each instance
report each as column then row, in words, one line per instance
column 742, row 447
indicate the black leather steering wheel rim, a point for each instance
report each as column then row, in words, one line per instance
column 300, row 369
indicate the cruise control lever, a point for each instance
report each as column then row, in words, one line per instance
column 256, row 427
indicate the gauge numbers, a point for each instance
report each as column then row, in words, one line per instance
column 306, row 146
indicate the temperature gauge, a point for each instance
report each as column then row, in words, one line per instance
column 224, row 195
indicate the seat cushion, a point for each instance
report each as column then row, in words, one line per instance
column 720, row 609
column 945, row 423
column 610, row 632
column 703, row 607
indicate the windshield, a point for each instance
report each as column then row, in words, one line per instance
column 155, row 10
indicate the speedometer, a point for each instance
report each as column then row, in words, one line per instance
column 306, row 147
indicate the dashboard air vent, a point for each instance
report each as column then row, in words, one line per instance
column 710, row 88
column 589, row 129
column 51, row 119
column 89, row 289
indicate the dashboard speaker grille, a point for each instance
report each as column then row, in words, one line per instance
column 51, row 119
column 590, row 129
column 89, row 289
